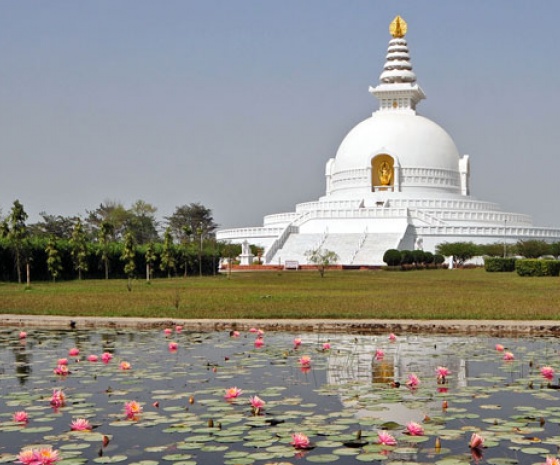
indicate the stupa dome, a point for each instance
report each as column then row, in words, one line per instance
column 421, row 149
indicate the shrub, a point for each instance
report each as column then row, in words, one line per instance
column 438, row 259
column 533, row 249
column 535, row 267
column 499, row 264
column 392, row 257
column 406, row 257
column 428, row 258
column 419, row 256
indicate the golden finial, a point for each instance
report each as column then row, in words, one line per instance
column 398, row 27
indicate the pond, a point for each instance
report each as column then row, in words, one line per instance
column 371, row 399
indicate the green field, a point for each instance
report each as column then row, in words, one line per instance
column 423, row 294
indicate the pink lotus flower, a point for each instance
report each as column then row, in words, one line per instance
column 392, row 337
column 62, row 361
column 234, row 334
column 58, row 399
column 305, row 361
column 476, row 441
column 260, row 332
column 414, row 429
column 106, row 357
column 300, row 441
column 326, row 346
column 74, row 352
column 80, row 424
column 178, row 328
column 125, row 365
column 20, row 417
column 383, row 437
column 547, row 372
column 442, row 372
column 92, row 358
column 233, row 393
column 167, row 331
column 132, row 409
column 43, row 456
column 257, row 404
column 552, row 461
column 499, row 347
column 508, row 357
column 379, row 354
column 412, row 381
column 259, row 342
column 253, row 330
column 22, row 335
column 61, row 370
column 297, row 342
column 173, row 346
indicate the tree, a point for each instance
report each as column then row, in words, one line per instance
column 78, row 248
column 194, row 218
column 554, row 248
column 322, row 258
column 112, row 213
column 142, row 223
column 17, row 233
column 167, row 258
column 54, row 263
column 58, row 226
column 103, row 237
column 392, row 257
column 461, row 251
column 150, row 257
column 128, row 255
column 533, row 249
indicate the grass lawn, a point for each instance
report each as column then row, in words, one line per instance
column 423, row 294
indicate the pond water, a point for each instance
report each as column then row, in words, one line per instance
column 341, row 401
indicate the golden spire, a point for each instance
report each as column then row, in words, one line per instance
column 398, row 27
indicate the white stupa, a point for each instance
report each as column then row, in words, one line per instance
column 397, row 181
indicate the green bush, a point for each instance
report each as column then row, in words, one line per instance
column 392, row 257
column 499, row 264
column 439, row 259
column 537, row 267
column 406, row 257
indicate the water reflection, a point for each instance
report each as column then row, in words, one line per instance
column 357, row 385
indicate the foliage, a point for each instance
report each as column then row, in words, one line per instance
column 129, row 254
column 438, row 259
column 499, row 264
column 537, row 267
column 495, row 250
column 392, row 257
column 428, row 258
column 105, row 232
column 54, row 262
column 406, row 257
column 533, row 248
column 322, row 258
column 191, row 222
column 555, row 249
column 168, row 253
column 461, row 251
column 79, row 248
column 53, row 225
column 17, row 233
column 419, row 257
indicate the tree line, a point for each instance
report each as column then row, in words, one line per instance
column 110, row 242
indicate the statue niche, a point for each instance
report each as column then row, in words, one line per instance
column 382, row 173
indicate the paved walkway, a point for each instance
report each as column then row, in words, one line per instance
column 372, row 326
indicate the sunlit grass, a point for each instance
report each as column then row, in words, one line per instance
column 436, row 294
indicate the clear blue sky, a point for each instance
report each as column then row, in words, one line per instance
column 239, row 104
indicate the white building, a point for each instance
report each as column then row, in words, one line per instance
column 397, row 181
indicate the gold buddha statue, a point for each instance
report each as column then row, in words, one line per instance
column 385, row 174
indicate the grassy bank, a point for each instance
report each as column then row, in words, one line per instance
column 437, row 294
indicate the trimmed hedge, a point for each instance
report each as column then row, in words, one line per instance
column 499, row 264
column 537, row 267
